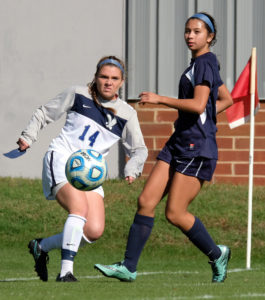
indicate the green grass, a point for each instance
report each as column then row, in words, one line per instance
column 169, row 268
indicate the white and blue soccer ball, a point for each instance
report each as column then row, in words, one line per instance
column 86, row 169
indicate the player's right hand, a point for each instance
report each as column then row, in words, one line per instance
column 148, row 97
column 22, row 145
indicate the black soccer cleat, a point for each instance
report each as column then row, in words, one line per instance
column 68, row 277
column 41, row 259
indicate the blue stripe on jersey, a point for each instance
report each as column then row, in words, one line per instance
column 52, row 173
column 102, row 116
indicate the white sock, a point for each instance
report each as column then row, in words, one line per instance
column 66, row 266
column 52, row 242
column 72, row 234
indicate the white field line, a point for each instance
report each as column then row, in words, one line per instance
column 235, row 296
column 139, row 274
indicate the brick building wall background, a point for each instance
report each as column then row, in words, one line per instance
column 233, row 165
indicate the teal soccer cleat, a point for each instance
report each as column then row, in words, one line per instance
column 219, row 266
column 118, row 271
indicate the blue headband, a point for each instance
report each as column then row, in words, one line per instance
column 205, row 19
column 111, row 61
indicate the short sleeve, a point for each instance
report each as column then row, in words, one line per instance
column 203, row 72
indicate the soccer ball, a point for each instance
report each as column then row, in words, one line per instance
column 86, row 169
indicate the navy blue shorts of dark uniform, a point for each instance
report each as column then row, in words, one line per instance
column 200, row 167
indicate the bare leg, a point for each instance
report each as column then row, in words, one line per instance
column 141, row 228
column 183, row 190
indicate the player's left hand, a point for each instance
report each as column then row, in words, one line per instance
column 148, row 97
column 129, row 179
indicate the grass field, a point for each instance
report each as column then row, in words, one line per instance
column 169, row 268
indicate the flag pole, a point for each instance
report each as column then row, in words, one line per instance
column 251, row 154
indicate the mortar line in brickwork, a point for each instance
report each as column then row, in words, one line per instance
column 233, row 168
column 155, row 115
column 234, row 143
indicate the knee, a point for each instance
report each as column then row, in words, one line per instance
column 94, row 232
column 145, row 205
column 175, row 218
column 141, row 202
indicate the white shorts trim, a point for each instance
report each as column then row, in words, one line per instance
column 56, row 189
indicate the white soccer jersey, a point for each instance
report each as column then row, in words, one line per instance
column 89, row 126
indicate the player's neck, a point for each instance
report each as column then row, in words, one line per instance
column 199, row 52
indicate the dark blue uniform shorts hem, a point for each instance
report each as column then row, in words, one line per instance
column 199, row 167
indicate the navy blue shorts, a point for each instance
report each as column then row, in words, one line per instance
column 200, row 167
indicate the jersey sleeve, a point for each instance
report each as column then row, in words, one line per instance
column 135, row 149
column 48, row 113
column 207, row 72
column 203, row 73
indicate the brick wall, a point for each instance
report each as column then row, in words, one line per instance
column 233, row 164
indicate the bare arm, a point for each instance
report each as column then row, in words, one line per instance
column 195, row 105
column 224, row 99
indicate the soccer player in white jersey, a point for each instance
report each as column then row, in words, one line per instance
column 96, row 118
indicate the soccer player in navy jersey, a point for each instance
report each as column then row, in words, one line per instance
column 96, row 118
column 188, row 158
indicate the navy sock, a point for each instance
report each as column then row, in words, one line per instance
column 138, row 235
column 200, row 237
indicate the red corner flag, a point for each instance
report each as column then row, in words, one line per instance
column 239, row 113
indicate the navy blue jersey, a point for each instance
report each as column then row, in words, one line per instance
column 195, row 135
